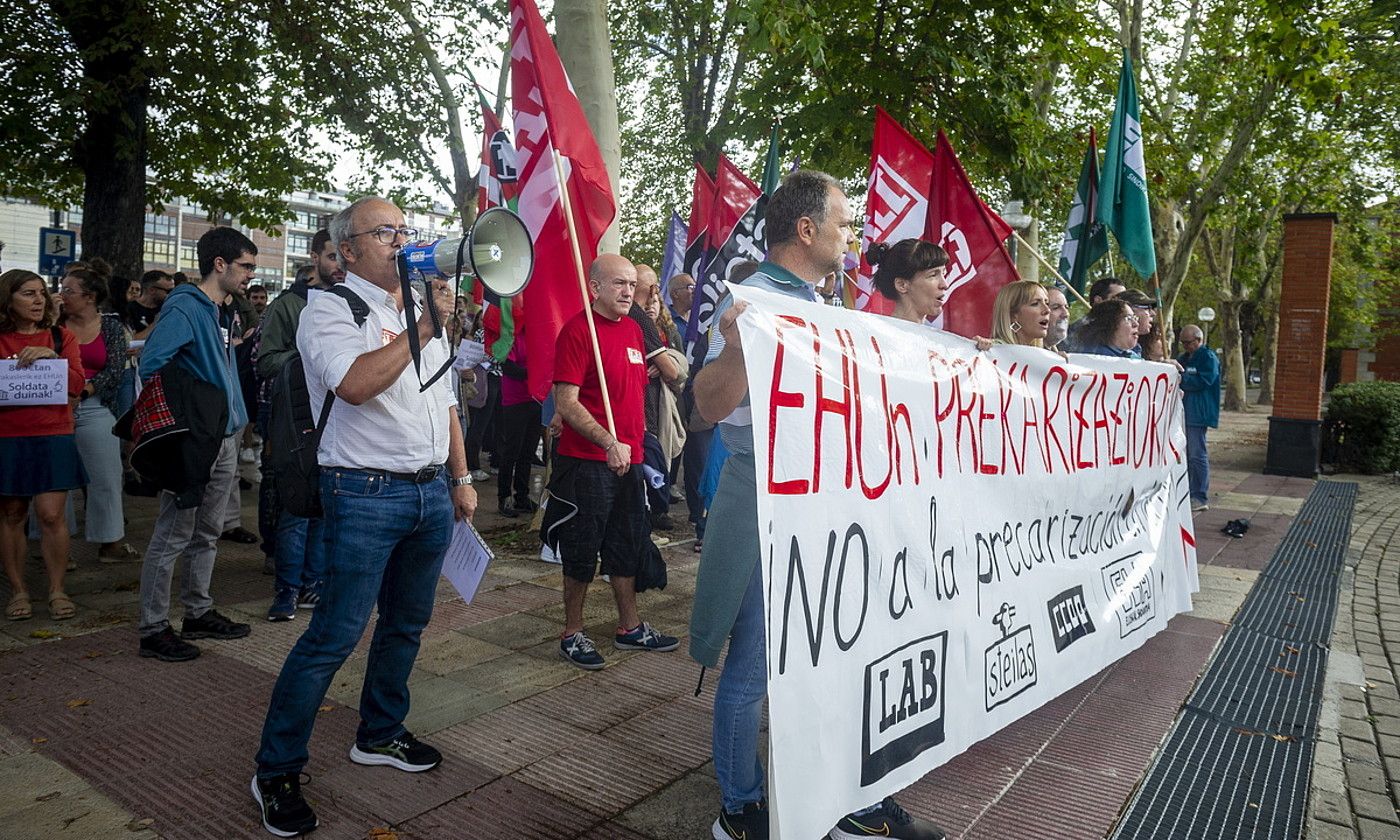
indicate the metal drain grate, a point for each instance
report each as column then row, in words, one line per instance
column 1237, row 761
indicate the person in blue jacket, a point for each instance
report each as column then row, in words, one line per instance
column 1200, row 380
column 191, row 332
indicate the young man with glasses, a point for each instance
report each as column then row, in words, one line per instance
column 193, row 334
column 393, row 480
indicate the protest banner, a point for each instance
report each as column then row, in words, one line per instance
column 949, row 539
column 45, row 382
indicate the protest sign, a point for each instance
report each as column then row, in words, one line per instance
column 949, row 539
column 45, row 382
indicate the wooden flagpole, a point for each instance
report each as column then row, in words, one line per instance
column 1063, row 282
column 583, row 290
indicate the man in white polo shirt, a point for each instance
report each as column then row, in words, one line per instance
column 393, row 478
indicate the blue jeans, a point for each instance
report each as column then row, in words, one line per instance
column 1197, row 464
column 301, row 551
column 385, row 539
column 743, row 685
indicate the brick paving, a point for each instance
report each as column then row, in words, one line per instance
column 97, row 743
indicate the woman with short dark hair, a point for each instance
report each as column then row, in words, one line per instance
column 39, row 461
column 1110, row 330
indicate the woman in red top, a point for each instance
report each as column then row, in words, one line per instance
column 38, row 456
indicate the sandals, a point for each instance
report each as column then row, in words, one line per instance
column 120, row 553
column 18, row 609
column 61, row 607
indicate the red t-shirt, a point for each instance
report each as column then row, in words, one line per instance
column 625, row 367
column 37, row 420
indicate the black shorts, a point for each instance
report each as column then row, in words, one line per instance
column 593, row 512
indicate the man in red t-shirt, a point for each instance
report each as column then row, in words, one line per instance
column 597, row 501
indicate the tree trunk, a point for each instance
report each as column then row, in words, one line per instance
column 463, row 185
column 1266, row 366
column 1232, row 356
column 112, row 147
column 585, row 47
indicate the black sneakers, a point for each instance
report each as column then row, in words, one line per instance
column 644, row 637
column 887, row 820
column 579, row 649
column 213, row 625
column 284, row 811
column 405, row 752
column 751, row 824
column 167, row 646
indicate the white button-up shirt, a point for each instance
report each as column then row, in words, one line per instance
column 399, row 430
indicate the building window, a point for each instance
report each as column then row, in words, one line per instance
column 298, row 244
column 307, row 220
column 189, row 257
column 161, row 225
column 161, row 251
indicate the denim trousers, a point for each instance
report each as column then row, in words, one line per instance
column 301, row 551
column 1197, row 463
column 743, row 686
column 384, row 541
column 101, row 452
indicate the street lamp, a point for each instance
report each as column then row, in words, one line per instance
column 1206, row 314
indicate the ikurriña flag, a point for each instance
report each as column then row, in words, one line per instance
column 548, row 118
column 896, row 201
column 1123, row 205
column 973, row 236
column 1085, row 240
column 733, row 237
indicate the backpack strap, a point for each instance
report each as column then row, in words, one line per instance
column 325, row 412
column 57, row 333
column 358, row 308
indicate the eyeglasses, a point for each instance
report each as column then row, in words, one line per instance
column 65, row 291
column 246, row 266
column 1132, row 319
column 385, row 234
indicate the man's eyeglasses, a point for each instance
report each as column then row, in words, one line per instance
column 385, row 234
column 249, row 267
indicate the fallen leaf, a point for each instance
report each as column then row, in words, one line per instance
column 1284, row 671
column 382, row 834
column 73, row 704
column 1283, row 739
column 1288, row 650
column 94, row 654
column 325, row 708
column 47, row 796
column 140, row 825
column 38, row 740
column 1246, row 732
column 1254, row 804
column 42, row 634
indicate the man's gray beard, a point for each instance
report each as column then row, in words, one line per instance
column 1057, row 333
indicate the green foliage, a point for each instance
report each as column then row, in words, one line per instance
column 1367, row 417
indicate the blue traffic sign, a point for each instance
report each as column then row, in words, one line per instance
column 57, row 248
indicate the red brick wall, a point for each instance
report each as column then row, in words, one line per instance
column 1350, row 366
column 1387, row 363
column 1302, row 333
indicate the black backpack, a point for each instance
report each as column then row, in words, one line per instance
column 293, row 433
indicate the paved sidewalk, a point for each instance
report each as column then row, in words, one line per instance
column 98, row 743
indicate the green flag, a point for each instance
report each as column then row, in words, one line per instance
column 1123, row 184
column 771, row 175
column 1085, row 241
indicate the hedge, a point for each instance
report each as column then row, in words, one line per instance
column 1366, row 422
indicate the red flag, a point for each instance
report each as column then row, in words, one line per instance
column 702, row 195
column 978, row 264
column 548, row 118
column 896, row 203
column 731, row 237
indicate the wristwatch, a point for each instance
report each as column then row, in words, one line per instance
column 460, row 481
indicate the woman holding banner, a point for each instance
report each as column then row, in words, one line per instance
column 38, row 455
column 911, row 273
column 1110, row 330
column 1021, row 314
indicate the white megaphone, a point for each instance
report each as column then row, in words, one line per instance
column 497, row 249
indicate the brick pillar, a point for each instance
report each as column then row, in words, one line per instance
column 1350, row 368
column 1295, row 427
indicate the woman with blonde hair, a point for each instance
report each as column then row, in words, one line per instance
column 39, row 460
column 1021, row 314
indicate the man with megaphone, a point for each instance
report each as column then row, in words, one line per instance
column 393, row 478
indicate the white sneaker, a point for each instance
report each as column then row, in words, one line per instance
column 1197, row 507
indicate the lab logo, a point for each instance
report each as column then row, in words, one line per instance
column 1069, row 618
column 1010, row 661
column 904, row 692
column 503, row 157
column 1127, row 582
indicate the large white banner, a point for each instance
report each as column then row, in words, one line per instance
column 949, row 539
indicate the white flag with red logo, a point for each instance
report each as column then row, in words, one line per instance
column 896, row 202
column 548, row 118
